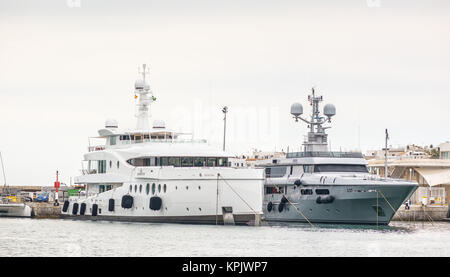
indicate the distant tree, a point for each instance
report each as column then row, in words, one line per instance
column 434, row 154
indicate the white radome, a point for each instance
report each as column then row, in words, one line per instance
column 111, row 123
column 159, row 124
column 296, row 109
column 329, row 110
column 139, row 84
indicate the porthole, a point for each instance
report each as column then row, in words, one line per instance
column 131, row 188
column 187, row 209
column 110, row 164
column 117, row 164
column 187, row 187
column 165, row 188
column 147, row 188
column 135, row 188
column 176, row 187
column 199, row 187
column 159, row 187
column 199, row 209
column 153, row 188
column 140, row 188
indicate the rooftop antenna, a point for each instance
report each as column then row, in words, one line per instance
column 386, row 155
column 317, row 138
column 225, row 111
column 3, row 169
column 145, row 95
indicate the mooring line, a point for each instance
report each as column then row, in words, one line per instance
column 284, row 195
column 218, row 175
column 401, row 219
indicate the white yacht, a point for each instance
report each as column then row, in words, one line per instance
column 317, row 185
column 154, row 175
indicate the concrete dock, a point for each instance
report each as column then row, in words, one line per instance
column 44, row 210
column 422, row 213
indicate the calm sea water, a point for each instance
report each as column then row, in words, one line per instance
column 47, row 237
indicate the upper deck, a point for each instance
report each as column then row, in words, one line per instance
column 324, row 155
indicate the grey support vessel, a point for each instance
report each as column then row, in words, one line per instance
column 320, row 186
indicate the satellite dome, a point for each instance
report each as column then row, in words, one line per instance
column 111, row 123
column 296, row 109
column 146, row 86
column 139, row 84
column 329, row 110
column 159, row 124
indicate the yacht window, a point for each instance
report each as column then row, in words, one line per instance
column 135, row 188
column 101, row 188
column 165, row 188
column 175, row 161
column 273, row 172
column 340, row 168
column 140, row 188
column 308, row 168
column 101, row 165
column 322, row 191
column 131, row 188
column 292, row 169
column 112, row 140
column 147, row 188
column 110, row 164
column 153, row 188
column 199, row 162
column 164, row 161
column 271, row 190
column 117, row 164
column 222, row 161
column 186, row 161
column 306, row 191
column 211, row 162
column 159, row 187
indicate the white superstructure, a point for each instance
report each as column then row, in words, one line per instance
column 153, row 174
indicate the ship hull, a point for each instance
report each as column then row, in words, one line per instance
column 352, row 204
column 245, row 219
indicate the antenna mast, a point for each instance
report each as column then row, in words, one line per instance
column 145, row 95
column 3, row 169
column 317, row 138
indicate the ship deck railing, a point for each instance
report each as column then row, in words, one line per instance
column 324, row 155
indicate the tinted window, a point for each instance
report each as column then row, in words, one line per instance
column 278, row 171
column 306, row 191
column 322, row 191
column 175, row 161
column 187, row 161
column 340, row 168
column 199, row 161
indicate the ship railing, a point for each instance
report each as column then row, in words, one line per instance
column 324, row 155
column 96, row 148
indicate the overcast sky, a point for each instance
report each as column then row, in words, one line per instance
column 66, row 66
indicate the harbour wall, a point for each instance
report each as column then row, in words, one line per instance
column 44, row 210
column 422, row 213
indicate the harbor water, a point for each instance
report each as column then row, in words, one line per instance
column 56, row 237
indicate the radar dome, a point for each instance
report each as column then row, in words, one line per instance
column 329, row 110
column 139, row 84
column 296, row 109
column 111, row 123
column 159, row 124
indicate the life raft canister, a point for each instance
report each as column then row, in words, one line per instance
column 269, row 206
column 65, row 206
column 75, row 209
column 111, row 205
column 127, row 201
column 155, row 203
column 83, row 208
column 94, row 209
